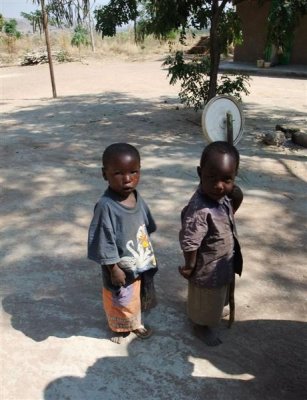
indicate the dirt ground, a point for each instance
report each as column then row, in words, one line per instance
column 54, row 341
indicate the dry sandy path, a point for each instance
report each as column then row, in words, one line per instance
column 54, row 344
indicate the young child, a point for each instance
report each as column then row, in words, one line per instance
column 208, row 239
column 119, row 241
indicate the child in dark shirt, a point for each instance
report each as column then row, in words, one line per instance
column 119, row 241
column 209, row 241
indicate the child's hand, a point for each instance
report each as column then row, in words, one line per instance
column 186, row 272
column 236, row 195
column 118, row 277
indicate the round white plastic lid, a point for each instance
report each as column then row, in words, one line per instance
column 214, row 119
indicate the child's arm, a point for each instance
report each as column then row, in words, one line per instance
column 236, row 197
column 190, row 261
column 118, row 277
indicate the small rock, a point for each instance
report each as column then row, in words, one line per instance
column 276, row 138
column 300, row 138
column 287, row 130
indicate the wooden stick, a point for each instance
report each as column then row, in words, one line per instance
column 229, row 128
column 232, row 284
column 232, row 302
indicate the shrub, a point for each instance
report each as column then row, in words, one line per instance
column 194, row 79
column 80, row 37
column 10, row 28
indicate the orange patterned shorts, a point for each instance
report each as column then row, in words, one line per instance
column 123, row 309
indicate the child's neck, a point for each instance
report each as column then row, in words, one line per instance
column 130, row 201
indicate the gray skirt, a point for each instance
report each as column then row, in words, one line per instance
column 205, row 306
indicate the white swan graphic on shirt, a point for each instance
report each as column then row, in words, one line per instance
column 140, row 257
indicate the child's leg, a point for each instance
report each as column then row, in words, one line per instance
column 119, row 337
column 226, row 310
column 123, row 310
column 148, row 292
column 207, row 335
column 205, row 307
column 143, row 332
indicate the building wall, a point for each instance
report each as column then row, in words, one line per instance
column 299, row 53
column 254, row 26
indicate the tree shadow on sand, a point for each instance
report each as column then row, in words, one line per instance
column 65, row 301
column 51, row 179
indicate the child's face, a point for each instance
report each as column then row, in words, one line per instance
column 122, row 173
column 217, row 175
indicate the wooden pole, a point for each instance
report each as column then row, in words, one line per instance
column 45, row 24
column 91, row 31
column 229, row 128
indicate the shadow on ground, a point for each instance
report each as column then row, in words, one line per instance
column 50, row 162
column 164, row 368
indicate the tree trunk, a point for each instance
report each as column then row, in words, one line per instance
column 45, row 25
column 135, row 33
column 91, row 31
column 214, row 50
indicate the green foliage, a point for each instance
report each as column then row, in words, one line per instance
column 229, row 30
column 11, row 34
column 35, row 18
column 115, row 14
column 233, row 85
column 165, row 16
column 63, row 56
column 10, row 28
column 1, row 22
column 283, row 19
column 66, row 12
column 141, row 31
column 171, row 35
column 193, row 76
column 80, row 37
column 120, row 12
column 162, row 18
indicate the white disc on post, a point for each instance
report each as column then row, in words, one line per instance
column 214, row 119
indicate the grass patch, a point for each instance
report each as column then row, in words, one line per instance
column 121, row 46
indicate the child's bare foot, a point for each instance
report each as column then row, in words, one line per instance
column 119, row 337
column 207, row 335
column 142, row 332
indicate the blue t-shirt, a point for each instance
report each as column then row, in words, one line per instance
column 120, row 235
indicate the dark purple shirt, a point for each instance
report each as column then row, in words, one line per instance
column 208, row 227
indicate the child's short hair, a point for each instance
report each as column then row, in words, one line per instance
column 119, row 148
column 220, row 147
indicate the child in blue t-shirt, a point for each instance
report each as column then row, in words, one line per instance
column 119, row 241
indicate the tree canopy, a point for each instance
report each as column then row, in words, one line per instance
column 161, row 17
column 69, row 12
